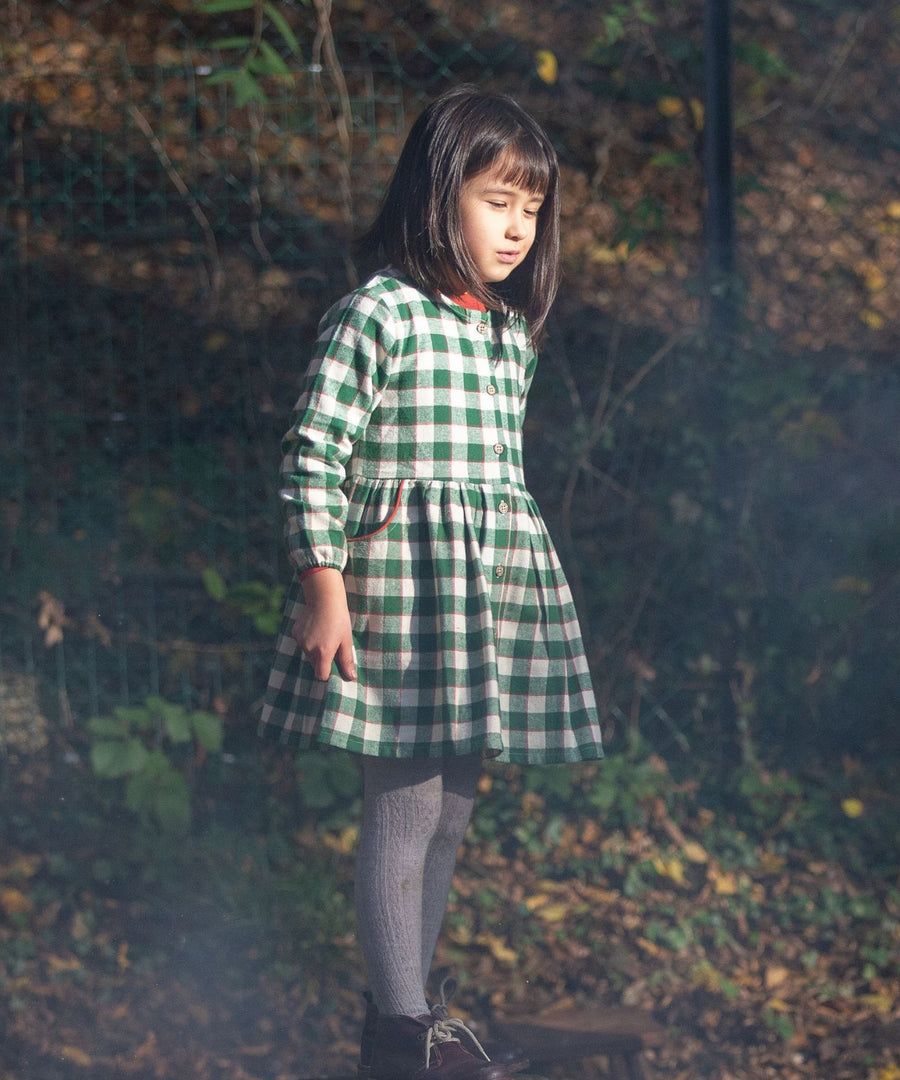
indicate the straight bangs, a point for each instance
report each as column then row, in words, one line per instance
column 523, row 164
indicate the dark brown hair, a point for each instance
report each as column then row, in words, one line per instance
column 418, row 229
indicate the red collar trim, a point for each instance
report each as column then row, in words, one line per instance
column 467, row 300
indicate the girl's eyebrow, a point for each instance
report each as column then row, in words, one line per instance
column 512, row 191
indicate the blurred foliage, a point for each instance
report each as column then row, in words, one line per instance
column 154, row 748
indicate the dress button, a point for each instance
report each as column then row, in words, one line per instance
column 498, row 448
column 491, row 389
column 482, row 327
column 503, row 507
column 498, row 571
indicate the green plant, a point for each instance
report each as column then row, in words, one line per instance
column 328, row 784
column 258, row 57
column 255, row 599
column 153, row 748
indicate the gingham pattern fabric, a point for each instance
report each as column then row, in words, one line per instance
column 403, row 469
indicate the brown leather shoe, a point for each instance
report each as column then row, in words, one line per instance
column 512, row 1058
column 425, row 1047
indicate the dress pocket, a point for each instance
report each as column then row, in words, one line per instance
column 369, row 526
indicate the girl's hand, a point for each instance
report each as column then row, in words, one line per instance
column 323, row 631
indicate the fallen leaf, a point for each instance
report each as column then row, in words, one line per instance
column 670, row 106
column 694, row 852
column 547, row 66
column 553, row 912
column 671, row 868
column 882, row 1003
column 14, row 902
column 76, row 1055
column 724, row 884
column 497, row 948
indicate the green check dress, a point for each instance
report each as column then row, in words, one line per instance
column 403, row 469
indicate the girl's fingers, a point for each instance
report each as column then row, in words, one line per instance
column 346, row 661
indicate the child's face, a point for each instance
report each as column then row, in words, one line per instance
column 498, row 221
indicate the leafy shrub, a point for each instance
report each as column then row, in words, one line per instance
column 153, row 748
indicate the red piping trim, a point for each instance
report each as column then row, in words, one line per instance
column 384, row 525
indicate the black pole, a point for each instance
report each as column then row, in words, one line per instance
column 719, row 165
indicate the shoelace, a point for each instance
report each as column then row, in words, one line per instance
column 444, row 1026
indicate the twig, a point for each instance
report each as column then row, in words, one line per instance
column 324, row 50
column 212, row 249
column 255, row 114
column 842, row 57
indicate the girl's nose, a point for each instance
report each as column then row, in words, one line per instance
column 515, row 230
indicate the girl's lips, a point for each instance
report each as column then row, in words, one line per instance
column 507, row 256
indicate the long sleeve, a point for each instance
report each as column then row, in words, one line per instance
column 342, row 389
column 531, row 361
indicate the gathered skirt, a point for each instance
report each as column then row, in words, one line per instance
column 464, row 628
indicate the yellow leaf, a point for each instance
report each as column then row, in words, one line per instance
column 344, row 842
column 461, row 934
column 849, row 584
column 14, row 902
column 498, row 948
column 553, row 912
column 723, row 884
column 695, row 852
column 853, row 808
column 872, row 319
column 893, row 211
column 76, row 1055
column 671, row 868
column 874, row 278
column 777, row 1005
column 122, row 957
column 670, row 106
column 547, row 66
column 775, row 976
column 604, row 255
column 889, row 1072
column 881, row 1003
column 698, row 113
column 536, row 901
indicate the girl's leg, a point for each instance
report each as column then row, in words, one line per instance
column 401, row 813
column 460, row 779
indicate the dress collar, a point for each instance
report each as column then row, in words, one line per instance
column 468, row 301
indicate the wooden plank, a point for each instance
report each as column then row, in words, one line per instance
column 563, row 1034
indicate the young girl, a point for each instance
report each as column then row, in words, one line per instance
column 429, row 625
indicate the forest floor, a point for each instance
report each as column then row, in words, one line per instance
column 230, row 954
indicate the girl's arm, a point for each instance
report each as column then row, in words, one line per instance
column 323, row 631
column 342, row 389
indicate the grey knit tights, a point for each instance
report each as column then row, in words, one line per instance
column 415, row 813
